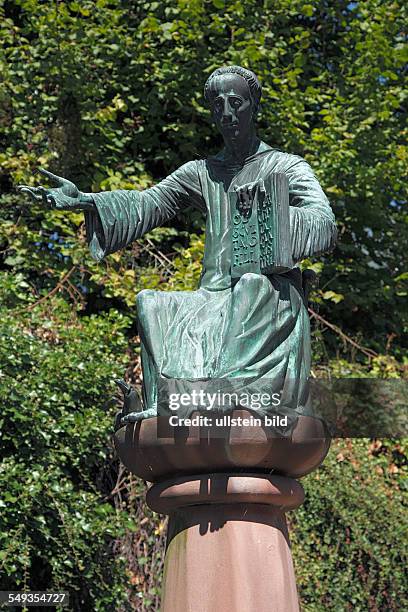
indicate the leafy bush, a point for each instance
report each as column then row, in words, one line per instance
column 348, row 537
column 56, row 527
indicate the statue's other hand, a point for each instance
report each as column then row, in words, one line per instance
column 246, row 193
column 66, row 196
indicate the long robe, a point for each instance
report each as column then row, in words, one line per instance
column 253, row 330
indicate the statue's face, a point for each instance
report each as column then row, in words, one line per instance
column 231, row 106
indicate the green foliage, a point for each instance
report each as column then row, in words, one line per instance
column 348, row 537
column 56, row 528
column 187, row 266
column 109, row 94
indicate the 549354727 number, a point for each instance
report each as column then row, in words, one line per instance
column 34, row 598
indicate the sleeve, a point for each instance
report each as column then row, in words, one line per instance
column 122, row 216
column 312, row 222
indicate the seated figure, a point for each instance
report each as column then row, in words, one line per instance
column 253, row 326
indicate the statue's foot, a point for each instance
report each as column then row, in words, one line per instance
column 135, row 417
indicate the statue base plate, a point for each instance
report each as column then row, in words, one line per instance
column 195, row 450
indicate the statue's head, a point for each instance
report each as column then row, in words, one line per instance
column 233, row 94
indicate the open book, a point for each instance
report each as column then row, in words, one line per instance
column 261, row 232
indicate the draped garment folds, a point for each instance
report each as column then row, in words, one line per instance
column 254, row 329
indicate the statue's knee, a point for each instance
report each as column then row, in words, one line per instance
column 254, row 283
column 145, row 299
column 249, row 278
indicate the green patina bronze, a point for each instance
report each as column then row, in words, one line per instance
column 265, row 211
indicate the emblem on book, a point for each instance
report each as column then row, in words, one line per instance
column 261, row 233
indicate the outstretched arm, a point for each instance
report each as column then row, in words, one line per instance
column 114, row 219
column 122, row 216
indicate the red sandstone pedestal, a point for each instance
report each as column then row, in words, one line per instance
column 228, row 546
column 227, row 543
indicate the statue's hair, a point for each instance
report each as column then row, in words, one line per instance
column 254, row 85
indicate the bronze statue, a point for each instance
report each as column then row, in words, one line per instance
column 265, row 211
